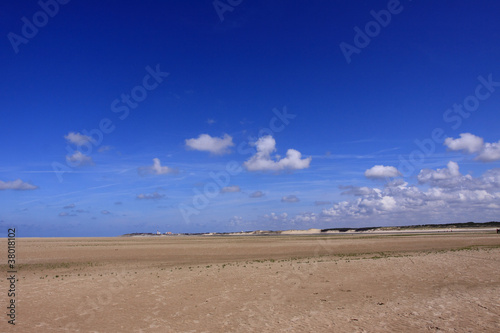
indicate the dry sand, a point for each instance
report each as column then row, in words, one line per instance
column 334, row 283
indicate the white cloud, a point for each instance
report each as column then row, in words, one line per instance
column 79, row 159
column 63, row 214
column 290, row 198
column 105, row 212
column 357, row 191
column 17, row 185
column 304, row 218
column 382, row 171
column 70, row 206
column 472, row 144
column 277, row 217
column 257, row 194
column 451, row 196
column 435, row 176
column 230, row 189
column 451, row 179
column 236, row 221
column 262, row 160
column 78, row 139
column 214, row 145
column 388, row 203
column 155, row 169
column 152, row 196
column 490, row 179
column 490, row 152
column 468, row 143
column 284, row 221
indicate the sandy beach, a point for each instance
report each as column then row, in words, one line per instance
column 327, row 283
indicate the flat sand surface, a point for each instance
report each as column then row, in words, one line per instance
column 334, row 283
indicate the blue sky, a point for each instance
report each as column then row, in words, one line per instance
column 195, row 116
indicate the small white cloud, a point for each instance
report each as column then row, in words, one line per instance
column 78, row 139
column 428, row 175
column 214, row 145
column 290, row 198
column 105, row 212
column 155, row 169
column 17, row 185
column 79, row 159
column 70, row 206
column 356, row 190
column 230, row 189
column 152, row 196
column 63, row 214
column 210, row 121
column 382, row 171
column 277, row 217
column 490, row 152
column 236, row 221
column 307, row 217
column 257, row 194
column 262, row 160
column 468, row 143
